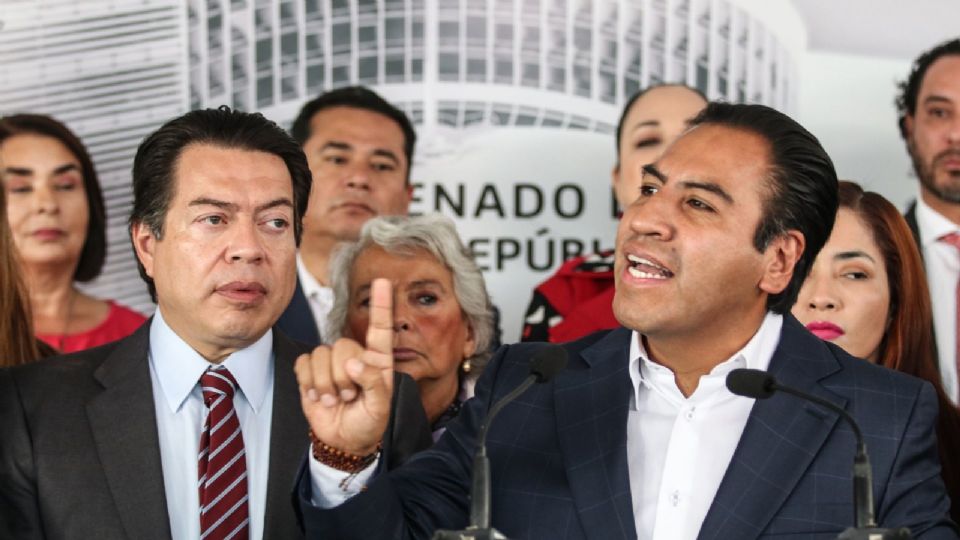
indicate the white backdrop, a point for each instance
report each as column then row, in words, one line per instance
column 514, row 100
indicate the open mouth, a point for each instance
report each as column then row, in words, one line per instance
column 643, row 268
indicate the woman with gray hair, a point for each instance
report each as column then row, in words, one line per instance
column 443, row 317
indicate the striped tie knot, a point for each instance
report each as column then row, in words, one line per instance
column 217, row 382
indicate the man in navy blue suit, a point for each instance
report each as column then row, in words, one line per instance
column 639, row 437
column 359, row 148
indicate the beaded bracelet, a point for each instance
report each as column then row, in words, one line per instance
column 339, row 459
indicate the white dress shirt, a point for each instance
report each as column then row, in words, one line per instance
column 942, row 262
column 678, row 448
column 175, row 370
column 319, row 298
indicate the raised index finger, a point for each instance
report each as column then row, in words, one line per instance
column 380, row 331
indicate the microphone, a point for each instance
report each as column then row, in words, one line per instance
column 757, row 384
column 544, row 365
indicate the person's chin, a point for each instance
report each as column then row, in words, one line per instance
column 242, row 330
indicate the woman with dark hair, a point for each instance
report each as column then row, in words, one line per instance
column 56, row 215
column 18, row 345
column 867, row 293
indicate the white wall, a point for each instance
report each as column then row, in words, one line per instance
column 847, row 102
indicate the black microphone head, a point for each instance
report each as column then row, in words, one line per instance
column 752, row 383
column 548, row 361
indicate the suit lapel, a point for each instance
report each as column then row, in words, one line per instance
column 911, row 219
column 782, row 437
column 124, row 425
column 592, row 398
column 288, row 442
column 297, row 320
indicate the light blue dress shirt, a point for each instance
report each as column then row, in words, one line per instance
column 175, row 370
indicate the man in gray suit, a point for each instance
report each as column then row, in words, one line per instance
column 191, row 427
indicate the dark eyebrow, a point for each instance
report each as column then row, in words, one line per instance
column 66, row 168
column 646, row 123
column 708, row 186
column 207, row 201
column 652, row 170
column 347, row 147
column 232, row 207
column 24, row 171
column 844, row 255
column 283, row 201
column 336, row 145
column 936, row 99
column 19, row 171
column 387, row 154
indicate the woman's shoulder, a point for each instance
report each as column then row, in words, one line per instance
column 123, row 316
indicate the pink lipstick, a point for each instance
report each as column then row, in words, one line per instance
column 824, row 330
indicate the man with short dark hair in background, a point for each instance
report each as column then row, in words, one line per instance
column 360, row 149
column 639, row 437
column 929, row 117
column 191, row 427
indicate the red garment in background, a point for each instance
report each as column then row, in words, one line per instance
column 120, row 323
column 577, row 300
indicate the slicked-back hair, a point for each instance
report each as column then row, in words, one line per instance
column 906, row 100
column 357, row 97
column 94, row 250
column 157, row 157
column 633, row 99
column 801, row 188
column 404, row 236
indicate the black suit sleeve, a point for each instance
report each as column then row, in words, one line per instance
column 915, row 497
column 19, row 511
column 408, row 430
column 429, row 492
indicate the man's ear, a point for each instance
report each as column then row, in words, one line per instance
column 780, row 261
column 144, row 244
column 908, row 124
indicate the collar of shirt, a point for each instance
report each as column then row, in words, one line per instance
column 932, row 224
column 180, row 367
column 311, row 287
column 756, row 354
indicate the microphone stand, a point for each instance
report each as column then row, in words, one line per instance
column 479, row 528
column 865, row 527
column 544, row 365
column 759, row 384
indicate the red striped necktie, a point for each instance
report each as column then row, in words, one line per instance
column 222, row 462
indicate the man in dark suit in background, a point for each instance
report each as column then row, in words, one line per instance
column 639, row 436
column 929, row 116
column 360, row 149
column 191, row 426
